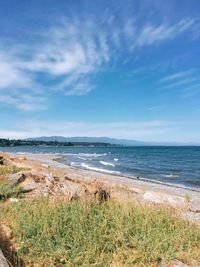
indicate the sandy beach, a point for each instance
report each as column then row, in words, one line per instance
column 56, row 178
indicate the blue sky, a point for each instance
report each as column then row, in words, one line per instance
column 124, row 69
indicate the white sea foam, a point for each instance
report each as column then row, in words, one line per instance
column 115, row 159
column 22, row 153
column 98, row 169
column 107, row 163
column 171, row 175
column 95, row 155
column 81, row 158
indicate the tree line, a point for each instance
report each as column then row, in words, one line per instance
column 19, row 142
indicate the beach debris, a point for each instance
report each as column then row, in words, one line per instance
column 46, row 190
column 2, row 160
column 102, row 195
column 163, row 198
column 49, row 177
column 45, row 165
column 16, row 178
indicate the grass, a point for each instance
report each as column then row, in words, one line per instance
column 8, row 190
column 4, row 170
column 93, row 234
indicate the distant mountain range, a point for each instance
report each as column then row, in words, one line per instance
column 114, row 141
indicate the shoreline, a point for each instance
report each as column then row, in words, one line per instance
column 53, row 160
column 56, row 157
column 119, row 187
column 143, row 179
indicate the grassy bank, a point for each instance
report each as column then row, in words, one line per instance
column 93, row 234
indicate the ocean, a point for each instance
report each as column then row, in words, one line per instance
column 174, row 165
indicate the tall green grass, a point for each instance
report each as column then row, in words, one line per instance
column 93, row 234
column 7, row 189
column 4, row 170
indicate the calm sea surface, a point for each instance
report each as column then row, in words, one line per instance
column 176, row 165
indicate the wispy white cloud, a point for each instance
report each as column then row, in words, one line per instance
column 186, row 83
column 151, row 34
column 11, row 76
column 191, row 91
column 69, row 55
column 176, row 76
column 23, row 102
column 181, row 83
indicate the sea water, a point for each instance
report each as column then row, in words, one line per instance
column 175, row 165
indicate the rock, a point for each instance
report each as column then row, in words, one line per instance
column 29, row 186
column 177, row 263
column 71, row 190
column 3, row 261
column 13, row 200
column 16, row 178
column 192, row 216
column 36, row 176
column 194, row 206
column 163, row 198
column 174, row 263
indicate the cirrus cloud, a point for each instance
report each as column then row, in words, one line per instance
column 69, row 55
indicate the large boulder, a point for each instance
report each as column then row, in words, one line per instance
column 16, row 178
column 164, row 198
column 194, row 206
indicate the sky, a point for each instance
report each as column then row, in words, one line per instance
column 118, row 68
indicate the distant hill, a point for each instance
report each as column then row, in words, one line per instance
column 90, row 140
column 114, row 141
